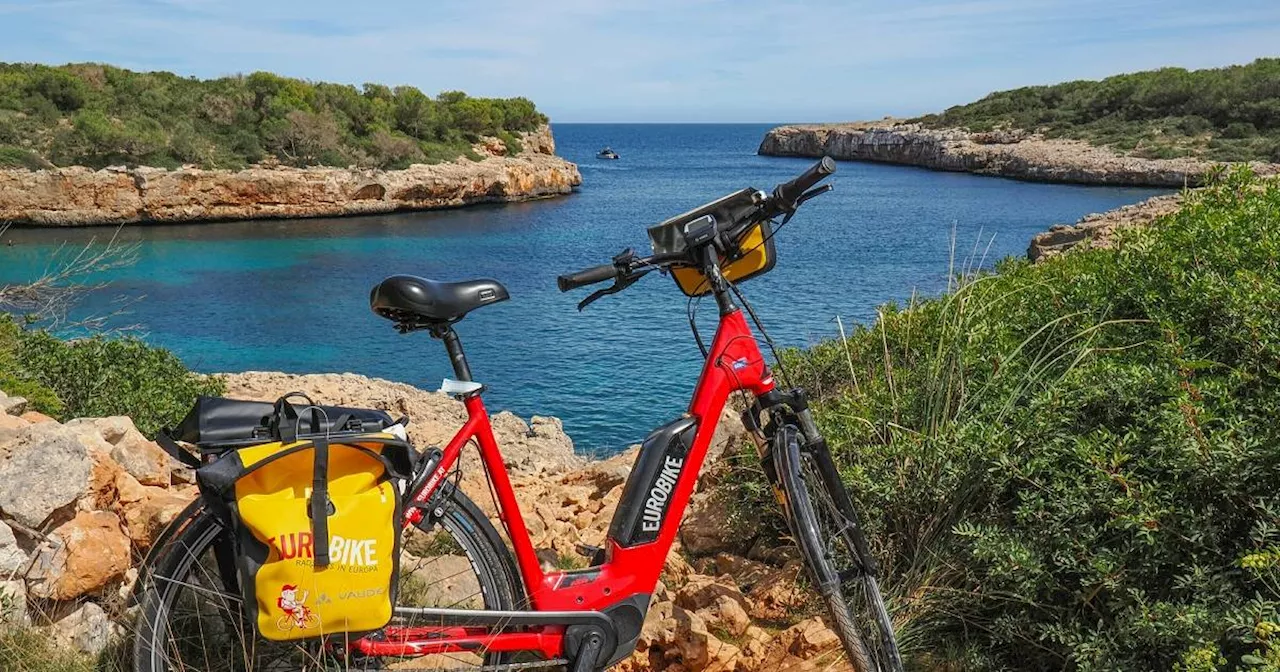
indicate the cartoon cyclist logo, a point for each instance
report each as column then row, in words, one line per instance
column 296, row 614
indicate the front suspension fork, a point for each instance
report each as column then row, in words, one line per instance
column 794, row 407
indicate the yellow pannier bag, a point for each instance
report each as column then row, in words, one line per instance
column 317, row 531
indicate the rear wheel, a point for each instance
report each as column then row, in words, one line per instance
column 830, row 539
column 189, row 619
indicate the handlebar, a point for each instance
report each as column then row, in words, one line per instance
column 626, row 268
column 587, row 276
column 787, row 193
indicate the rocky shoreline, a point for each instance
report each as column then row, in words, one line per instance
column 81, row 502
column 1013, row 154
column 1097, row 230
column 78, row 196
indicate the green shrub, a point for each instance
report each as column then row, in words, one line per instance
column 96, row 115
column 17, row 157
column 99, row 376
column 96, row 377
column 1076, row 464
column 1236, row 102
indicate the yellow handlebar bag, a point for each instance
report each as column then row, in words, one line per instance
column 317, row 531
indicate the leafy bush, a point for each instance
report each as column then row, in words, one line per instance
column 17, row 157
column 1173, row 111
column 99, row 376
column 97, row 115
column 1076, row 464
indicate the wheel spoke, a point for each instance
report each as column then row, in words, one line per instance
column 193, row 623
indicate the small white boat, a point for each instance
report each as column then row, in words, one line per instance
column 607, row 153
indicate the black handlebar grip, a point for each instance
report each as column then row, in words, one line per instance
column 588, row 276
column 788, row 192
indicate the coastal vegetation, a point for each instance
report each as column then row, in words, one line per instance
column 1222, row 114
column 1074, row 464
column 98, row 377
column 98, row 115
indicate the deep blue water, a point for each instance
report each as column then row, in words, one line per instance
column 292, row 295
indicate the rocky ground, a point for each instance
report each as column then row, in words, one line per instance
column 1015, row 154
column 80, row 502
column 80, row 196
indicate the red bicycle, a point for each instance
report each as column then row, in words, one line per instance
column 466, row 600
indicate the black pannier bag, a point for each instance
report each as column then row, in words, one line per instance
column 218, row 424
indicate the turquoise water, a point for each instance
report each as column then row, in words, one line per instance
column 292, row 295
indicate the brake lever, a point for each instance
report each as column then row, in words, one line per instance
column 618, row 285
column 816, row 191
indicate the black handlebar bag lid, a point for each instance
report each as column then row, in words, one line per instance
column 216, row 424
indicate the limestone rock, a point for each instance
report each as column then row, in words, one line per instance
column 540, row 447
column 146, row 511
column 143, row 459
column 809, row 638
column 36, row 417
column 10, row 426
column 45, row 469
column 12, row 405
column 12, row 558
column 79, row 196
column 778, row 595
column 87, row 553
column 86, row 629
column 743, row 571
column 13, row 602
column 1098, row 229
column 1008, row 154
column 703, row 531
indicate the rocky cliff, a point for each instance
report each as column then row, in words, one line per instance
column 81, row 502
column 1098, row 229
column 84, row 197
column 1013, row 154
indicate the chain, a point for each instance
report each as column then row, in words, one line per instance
column 509, row 667
column 512, row 667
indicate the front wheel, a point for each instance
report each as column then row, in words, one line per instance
column 830, row 539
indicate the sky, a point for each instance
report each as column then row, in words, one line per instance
column 657, row 60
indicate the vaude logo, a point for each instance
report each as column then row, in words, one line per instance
column 660, row 493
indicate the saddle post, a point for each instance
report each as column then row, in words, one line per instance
column 453, row 345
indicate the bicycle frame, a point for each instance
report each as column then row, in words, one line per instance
column 630, row 570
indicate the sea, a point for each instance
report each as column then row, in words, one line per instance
column 292, row 295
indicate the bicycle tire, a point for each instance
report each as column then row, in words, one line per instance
column 808, row 498
column 180, row 568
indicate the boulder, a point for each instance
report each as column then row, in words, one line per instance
column 12, row 405
column 808, row 638
column 718, row 602
column 45, row 469
column 143, row 459
column 36, row 417
column 85, row 554
column 12, row 558
column 85, row 629
column 777, row 595
column 704, row 527
column 146, row 511
column 10, row 427
column 745, row 573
